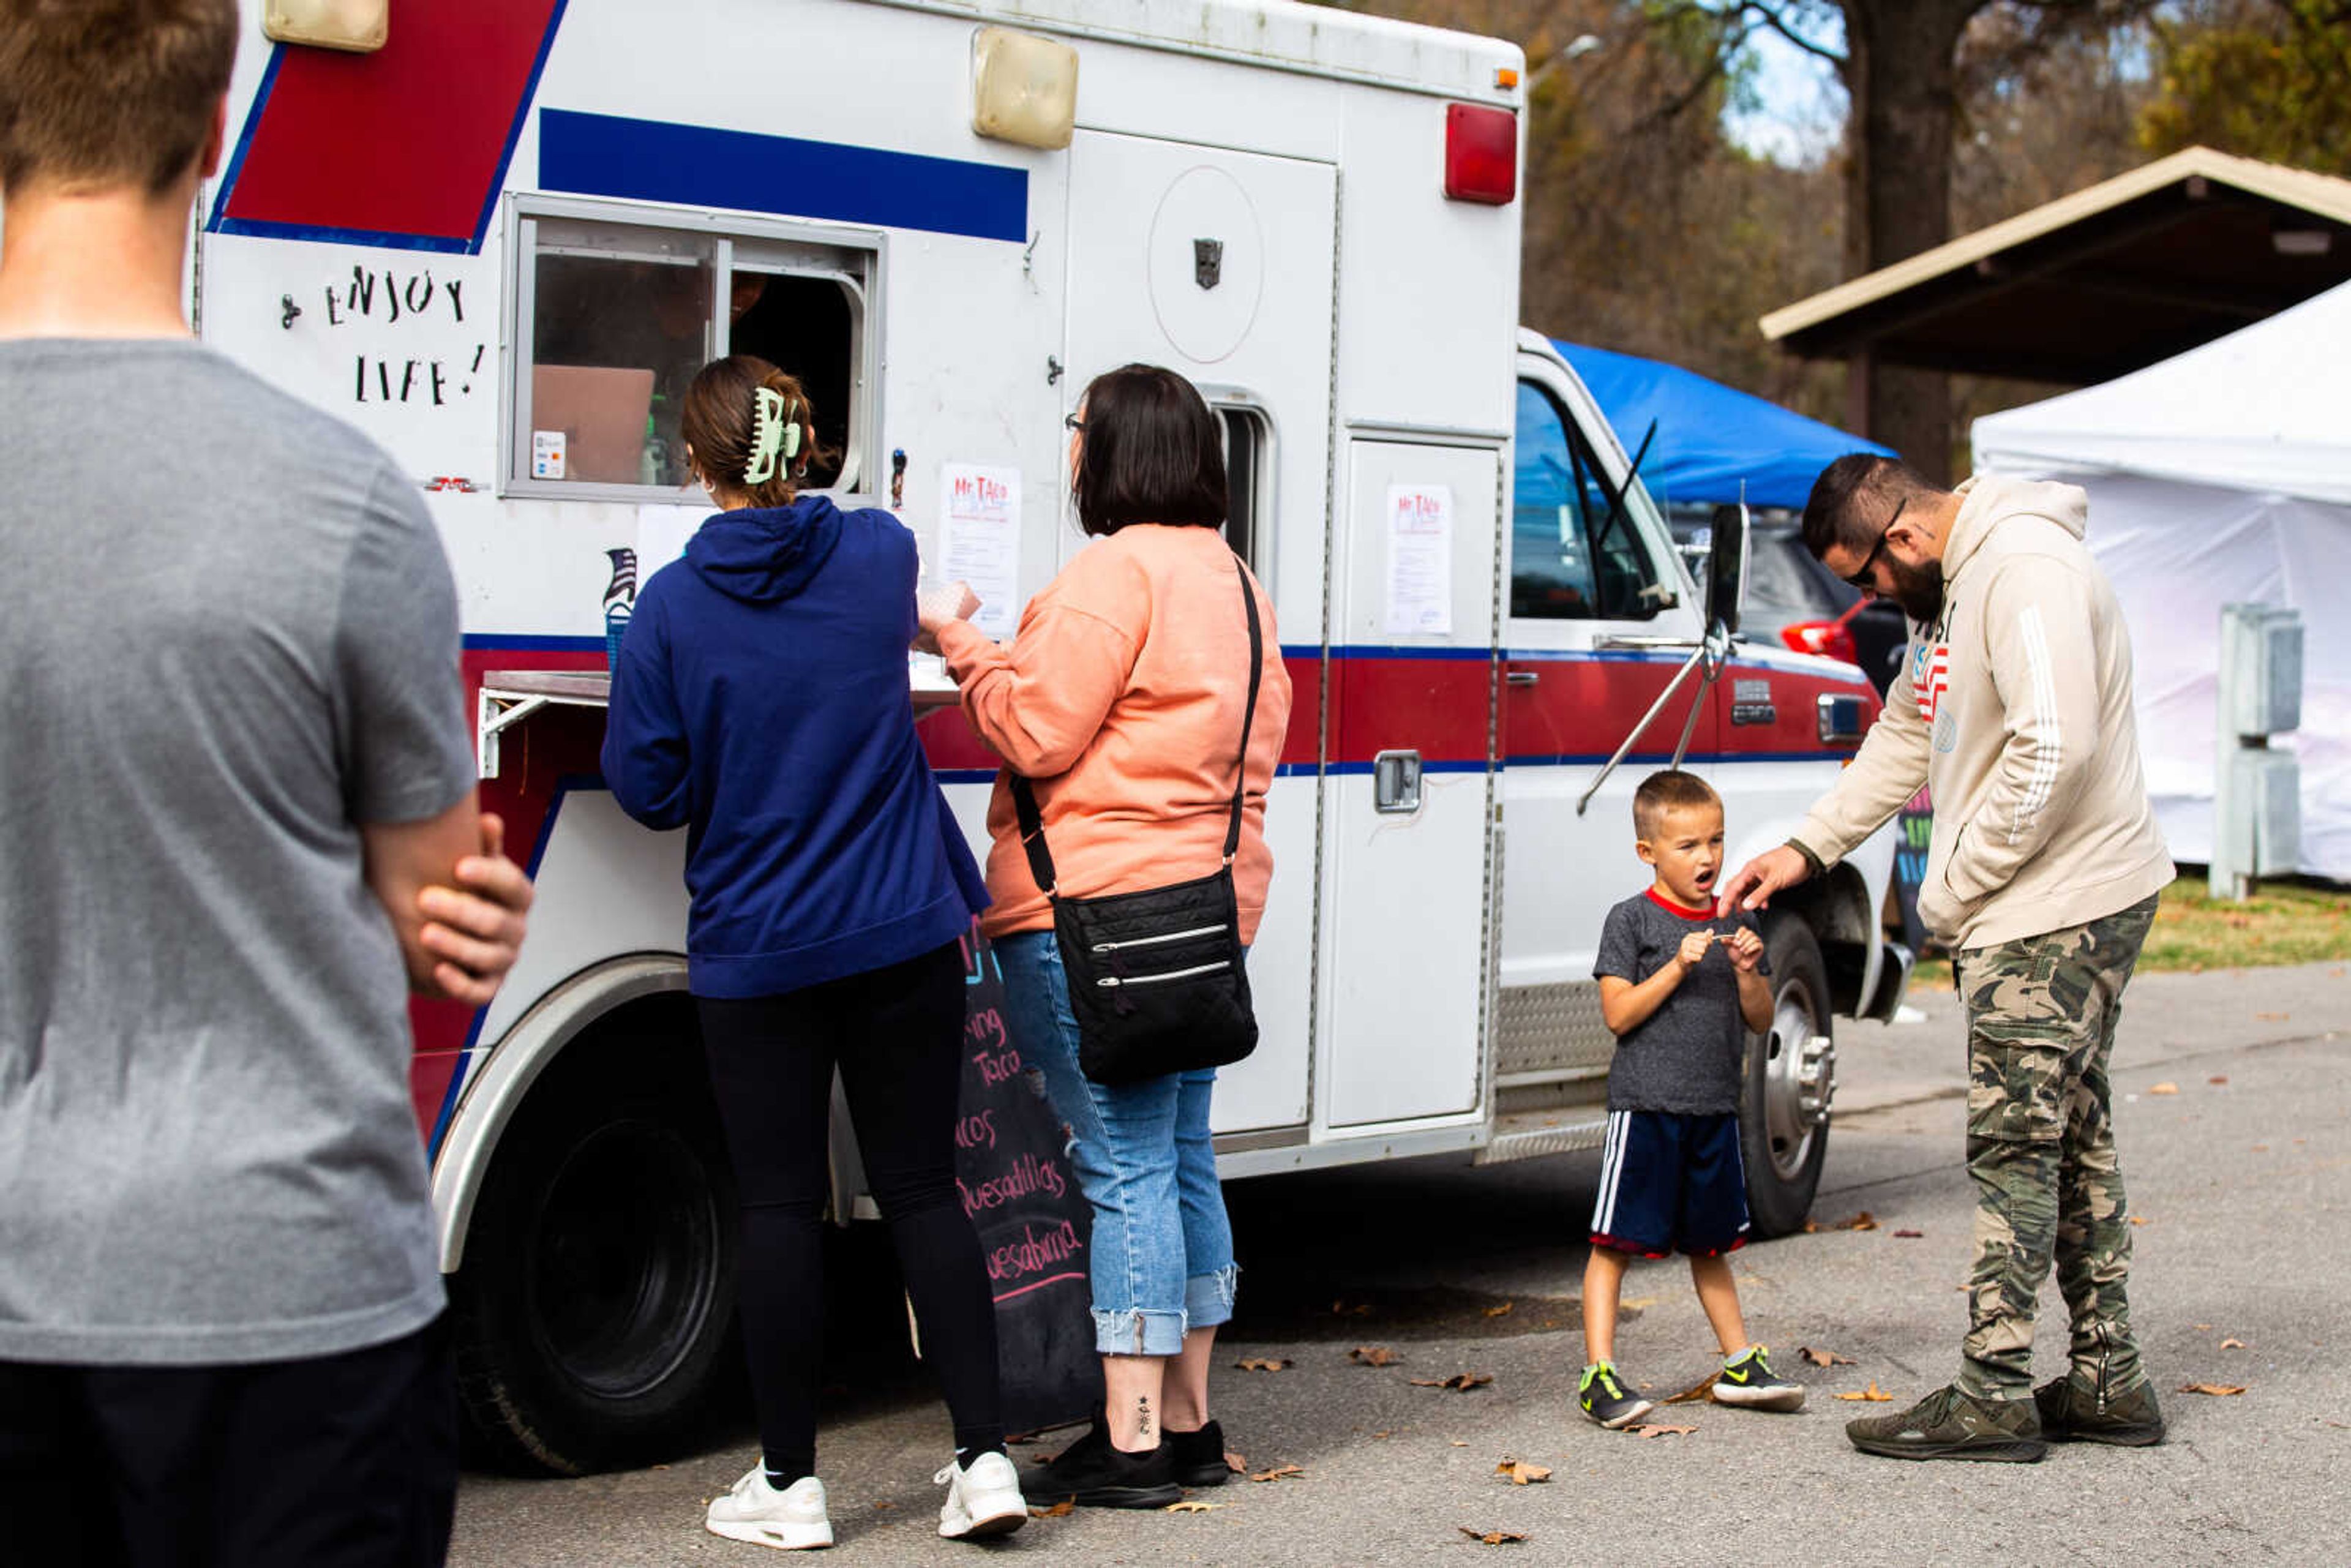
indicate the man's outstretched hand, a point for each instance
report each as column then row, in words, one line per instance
column 474, row 930
column 1759, row 878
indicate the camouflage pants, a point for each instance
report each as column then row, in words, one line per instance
column 2041, row 1146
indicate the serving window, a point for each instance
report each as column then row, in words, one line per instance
column 616, row 310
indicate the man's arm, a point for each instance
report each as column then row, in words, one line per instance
column 457, row 941
column 2044, row 658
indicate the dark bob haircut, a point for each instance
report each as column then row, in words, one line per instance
column 1150, row 451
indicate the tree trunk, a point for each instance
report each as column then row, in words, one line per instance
column 1903, row 84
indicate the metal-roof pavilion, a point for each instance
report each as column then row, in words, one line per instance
column 2128, row 272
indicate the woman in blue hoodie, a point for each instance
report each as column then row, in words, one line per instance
column 760, row 702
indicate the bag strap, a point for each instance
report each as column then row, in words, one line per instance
column 1024, row 797
column 1248, row 713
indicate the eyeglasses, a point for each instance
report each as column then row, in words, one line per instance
column 1860, row 580
column 1072, row 421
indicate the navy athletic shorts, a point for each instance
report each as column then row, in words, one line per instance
column 1671, row 1182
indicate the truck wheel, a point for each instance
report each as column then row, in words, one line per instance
column 594, row 1308
column 1790, row 1076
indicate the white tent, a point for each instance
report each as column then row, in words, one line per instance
column 2220, row 476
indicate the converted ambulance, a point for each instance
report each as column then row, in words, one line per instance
column 501, row 238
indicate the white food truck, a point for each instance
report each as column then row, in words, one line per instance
column 503, row 239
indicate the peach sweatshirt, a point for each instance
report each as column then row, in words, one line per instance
column 1121, row 696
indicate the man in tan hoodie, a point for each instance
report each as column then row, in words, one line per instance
column 2014, row 706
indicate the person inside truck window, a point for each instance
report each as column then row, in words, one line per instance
column 760, row 702
column 1120, row 698
column 608, row 315
column 804, row 322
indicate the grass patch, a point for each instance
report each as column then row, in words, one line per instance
column 2282, row 922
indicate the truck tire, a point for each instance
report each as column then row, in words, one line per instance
column 594, row 1309
column 1791, row 1071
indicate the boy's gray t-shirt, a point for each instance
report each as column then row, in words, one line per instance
column 1691, row 1055
column 232, row 637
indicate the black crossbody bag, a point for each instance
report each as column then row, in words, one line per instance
column 1157, row 978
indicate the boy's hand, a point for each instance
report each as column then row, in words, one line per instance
column 1694, row 946
column 1746, row 950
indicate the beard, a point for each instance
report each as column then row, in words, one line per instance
column 1918, row 589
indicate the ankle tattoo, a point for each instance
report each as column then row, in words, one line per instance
column 1143, row 1416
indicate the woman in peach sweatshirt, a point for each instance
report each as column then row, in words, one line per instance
column 1121, row 697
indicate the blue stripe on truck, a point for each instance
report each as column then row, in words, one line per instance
column 695, row 165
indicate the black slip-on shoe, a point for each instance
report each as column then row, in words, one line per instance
column 1199, row 1457
column 1095, row 1474
column 2072, row 1412
column 1950, row 1424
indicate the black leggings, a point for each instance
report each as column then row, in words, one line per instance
column 896, row 1034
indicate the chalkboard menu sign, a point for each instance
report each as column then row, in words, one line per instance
column 1913, row 825
column 1034, row 1225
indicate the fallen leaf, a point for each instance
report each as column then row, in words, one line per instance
column 1865, row 1220
column 1501, row 1312
column 885, row 1505
column 1459, row 1444
column 1373, row 1355
column 1659, row 1429
column 1258, row 1363
column 665, row 1467
column 2273, row 1018
column 1384, row 1435
column 1872, row 1393
column 1461, row 1381
column 1340, row 1309
column 1492, row 1537
column 2217, row 1390
column 2165, row 1089
column 1811, row 1226
column 2204, row 1328
column 1692, row 1395
column 1910, row 1234
column 1520, row 1472
column 1234, row 1463
column 1824, row 1357
column 1638, row 1303
column 2218, row 1078
column 2138, row 1220
column 1279, row 1473
column 1066, row 1506
column 2261, row 1148
column 1191, row 1505
column 2232, row 1344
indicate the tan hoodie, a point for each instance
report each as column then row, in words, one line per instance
column 2015, row 709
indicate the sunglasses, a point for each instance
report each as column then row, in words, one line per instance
column 1860, row 580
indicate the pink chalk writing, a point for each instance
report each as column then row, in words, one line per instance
column 1029, row 1174
column 1033, row 1253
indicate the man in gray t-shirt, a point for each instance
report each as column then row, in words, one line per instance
column 236, row 829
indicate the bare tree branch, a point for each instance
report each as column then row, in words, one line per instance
column 1778, row 24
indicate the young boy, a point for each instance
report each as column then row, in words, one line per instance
column 1680, row 988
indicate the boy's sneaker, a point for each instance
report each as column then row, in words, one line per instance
column 1750, row 1382
column 1952, row 1423
column 983, row 1502
column 1096, row 1475
column 1606, row 1400
column 793, row 1520
column 2071, row 1412
column 1199, row 1457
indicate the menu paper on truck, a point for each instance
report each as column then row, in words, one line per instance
column 979, row 541
column 1420, row 559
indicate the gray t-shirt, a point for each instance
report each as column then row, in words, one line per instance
column 231, row 637
column 1691, row 1055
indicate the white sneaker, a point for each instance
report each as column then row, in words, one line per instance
column 793, row 1520
column 983, row 1502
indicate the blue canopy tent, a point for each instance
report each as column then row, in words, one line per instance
column 1709, row 437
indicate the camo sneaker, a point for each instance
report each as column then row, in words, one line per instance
column 1606, row 1399
column 1749, row 1382
column 1950, row 1424
column 2072, row 1412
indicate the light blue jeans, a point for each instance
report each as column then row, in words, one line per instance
column 1163, row 1248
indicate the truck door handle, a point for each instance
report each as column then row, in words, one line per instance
column 1522, row 677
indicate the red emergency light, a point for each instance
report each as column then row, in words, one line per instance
column 1481, row 154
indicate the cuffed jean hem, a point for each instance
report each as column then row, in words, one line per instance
column 1135, row 1330
column 1208, row 1298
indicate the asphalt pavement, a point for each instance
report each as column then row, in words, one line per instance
column 2233, row 1113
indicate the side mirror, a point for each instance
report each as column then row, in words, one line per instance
column 1725, row 576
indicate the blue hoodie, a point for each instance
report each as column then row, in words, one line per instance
column 760, row 701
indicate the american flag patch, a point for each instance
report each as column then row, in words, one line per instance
column 1932, row 680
